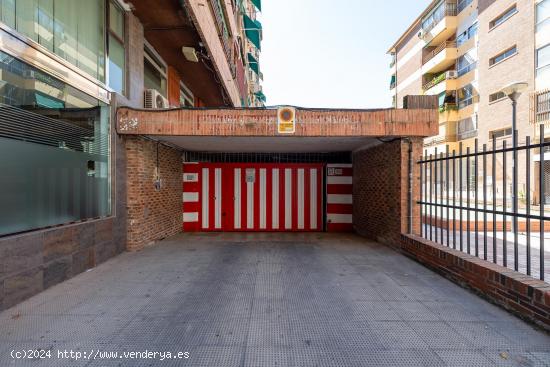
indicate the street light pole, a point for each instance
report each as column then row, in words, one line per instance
column 515, row 178
column 513, row 91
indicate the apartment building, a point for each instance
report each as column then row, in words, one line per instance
column 465, row 52
column 252, row 37
column 540, row 99
column 65, row 68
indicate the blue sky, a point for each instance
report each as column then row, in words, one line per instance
column 316, row 54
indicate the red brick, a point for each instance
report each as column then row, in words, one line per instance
column 523, row 295
column 152, row 214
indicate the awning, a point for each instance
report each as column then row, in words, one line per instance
column 253, row 29
column 261, row 96
column 48, row 102
column 253, row 63
column 257, row 4
column 392, row 82
column 442, row 99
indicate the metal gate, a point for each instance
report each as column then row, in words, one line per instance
column 252, row 197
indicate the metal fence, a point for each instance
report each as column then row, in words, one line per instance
column 480, row 202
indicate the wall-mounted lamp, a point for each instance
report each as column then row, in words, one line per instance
column 190, row 54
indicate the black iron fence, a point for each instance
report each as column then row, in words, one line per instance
column 489, row 201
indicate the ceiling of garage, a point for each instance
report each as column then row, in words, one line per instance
column 278, row 144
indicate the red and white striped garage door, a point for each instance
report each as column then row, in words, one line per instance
column 252, row 197
column 339, row 197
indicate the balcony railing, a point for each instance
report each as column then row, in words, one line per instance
column 437, row 50
column 466, row 129
column 224, row 35
column 467, row 69
column 448, row 107
column 435, row 81
column 468, row 101
column 462, row 4
column 445, row 10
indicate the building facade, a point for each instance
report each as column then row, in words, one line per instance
column 465, row 52
column 65, row 199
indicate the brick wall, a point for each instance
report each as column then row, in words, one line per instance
column 521, row 294
column 152, row 214
column 380, row 190
column 376, row 192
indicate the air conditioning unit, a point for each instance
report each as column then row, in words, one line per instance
column 153, row 99
column 451, row 74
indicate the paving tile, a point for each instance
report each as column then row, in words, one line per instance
column 413, row 310
column 439, row 334
column 267, row 300
column 506, row 358
column 461, row 358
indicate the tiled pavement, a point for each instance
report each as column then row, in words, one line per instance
column 269, row 300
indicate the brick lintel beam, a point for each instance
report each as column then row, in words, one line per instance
column 263, row 122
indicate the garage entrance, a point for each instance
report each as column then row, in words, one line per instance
column 254, row 170
column 253, row 197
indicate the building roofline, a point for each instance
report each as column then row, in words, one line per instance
column 416, row 21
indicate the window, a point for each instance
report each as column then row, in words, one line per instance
column 186, row 97
column 437, row 14
column 467, row 128
column 543, row 14
column 55, row 149
column 466, row 62
column 117, row 55
column 543, row 60
column 59, row 26
column 466, row 96
column 467, row 34
column 462, row 4
column 496, row 96
column 500, row 133
column 503, row 56
column 503, row 17
column 154, row 71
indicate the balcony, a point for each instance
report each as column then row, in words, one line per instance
column 441, row 83
column 463, row 4
column 223, row 33
column 448, row 112
column 204, row 24
column 440, row 24
column 466, row 128
column 440, row 58
column 463, row 103
column 447, row 134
